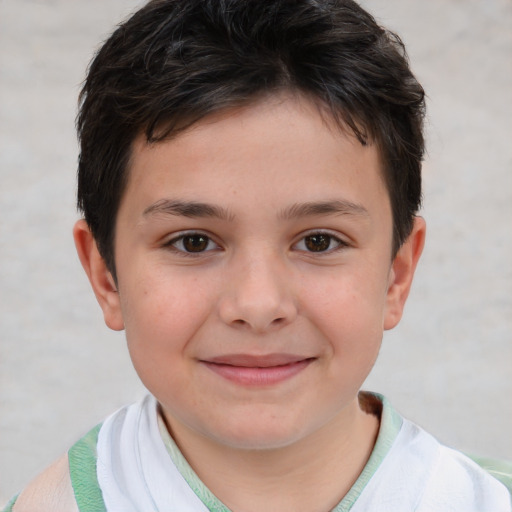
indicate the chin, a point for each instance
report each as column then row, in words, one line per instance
column 258, row 434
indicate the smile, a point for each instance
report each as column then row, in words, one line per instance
column 248, row 370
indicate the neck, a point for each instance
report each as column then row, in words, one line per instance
column 282, row 478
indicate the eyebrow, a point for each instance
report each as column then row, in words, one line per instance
column 337, row 207
column 195, row 209
column 191, row 209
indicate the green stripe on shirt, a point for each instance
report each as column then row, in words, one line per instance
column 82, row 470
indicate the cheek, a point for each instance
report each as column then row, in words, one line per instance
column 161, row 317
column 159, row 329
column 348, row 307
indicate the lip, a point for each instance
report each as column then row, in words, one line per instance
column 253, row 370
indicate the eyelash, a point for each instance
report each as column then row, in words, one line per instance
column 340, row 244
column 172, row 244
column 319, row 235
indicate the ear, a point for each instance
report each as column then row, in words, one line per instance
column 402, row 272
column 99, row 276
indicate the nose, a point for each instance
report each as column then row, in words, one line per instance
column 258, row 294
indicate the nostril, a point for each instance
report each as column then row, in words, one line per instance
column 277, row 322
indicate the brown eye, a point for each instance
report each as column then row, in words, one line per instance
column 318, row 243
column 192, row 243
column 195, row 243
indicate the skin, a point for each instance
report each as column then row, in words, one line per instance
column 50, row 491
column 246, row 289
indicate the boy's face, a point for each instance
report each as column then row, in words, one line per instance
column 253, row 256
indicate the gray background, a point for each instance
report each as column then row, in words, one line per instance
column 447, row 366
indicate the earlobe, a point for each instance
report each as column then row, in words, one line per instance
column 402, row 273
column 101, row 279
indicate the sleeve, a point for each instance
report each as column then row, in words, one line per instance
column 82, row 469
column 499, row 469
column 8, row 507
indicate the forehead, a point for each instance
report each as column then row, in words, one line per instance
column 285, row 142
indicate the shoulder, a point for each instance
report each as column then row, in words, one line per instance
column 442, row 476
column 456, row 476
column 497, row 468
column 452, row 477
column 69, row 484
column 50, row 491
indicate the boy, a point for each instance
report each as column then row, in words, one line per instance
column 250, row 177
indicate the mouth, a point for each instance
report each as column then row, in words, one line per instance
column 250, row 370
